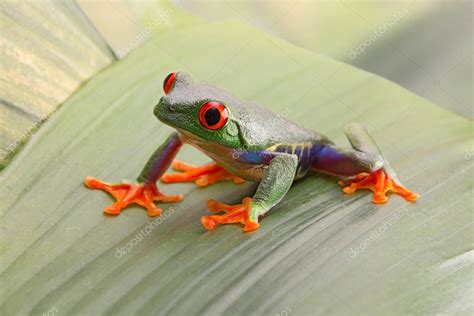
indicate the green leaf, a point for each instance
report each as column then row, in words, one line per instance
column 49, row 48
column 318, row 252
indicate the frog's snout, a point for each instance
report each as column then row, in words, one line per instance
column 164, row 110
column 158, row 110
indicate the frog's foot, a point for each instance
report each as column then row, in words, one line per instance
column 203, row 176
column 380, row 183
column 143, row 194
column 240, row 213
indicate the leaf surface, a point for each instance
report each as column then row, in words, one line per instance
column 318, row 252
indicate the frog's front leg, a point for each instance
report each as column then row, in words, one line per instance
column 365, row 166
column 144, row 192
column 276, row 181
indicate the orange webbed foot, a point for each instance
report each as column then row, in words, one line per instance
column 143, row 194
column 380, row 183
column 239, row 213
column 203, row 176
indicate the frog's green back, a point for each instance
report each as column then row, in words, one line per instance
column 263, row 128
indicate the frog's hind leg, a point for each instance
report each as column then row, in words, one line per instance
column 203, row 176
column 381, row 181
column 364, row 166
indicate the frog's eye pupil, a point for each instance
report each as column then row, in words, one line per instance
column 213, row 115
column 168, row 82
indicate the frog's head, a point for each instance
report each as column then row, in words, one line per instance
column 202, row 111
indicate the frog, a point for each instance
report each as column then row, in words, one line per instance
column 246, row 142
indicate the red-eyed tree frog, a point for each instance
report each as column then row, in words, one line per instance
column 246, row 142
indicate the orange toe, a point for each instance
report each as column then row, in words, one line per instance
column 380, row 183
column 208, row 222
column 239, row 213
column 112, row 209
column 182, row 166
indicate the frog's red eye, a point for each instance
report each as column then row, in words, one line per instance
column 168, row 82
column 213, row 115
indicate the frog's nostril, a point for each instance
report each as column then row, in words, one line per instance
column 164, row 108
column 173, row 107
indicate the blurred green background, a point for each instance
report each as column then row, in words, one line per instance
column 425, row 46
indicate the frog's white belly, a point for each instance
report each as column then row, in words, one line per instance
column 226, row 158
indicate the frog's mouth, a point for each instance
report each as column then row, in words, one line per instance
column 213, row 150
column 190, row 137
column 197, row 141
